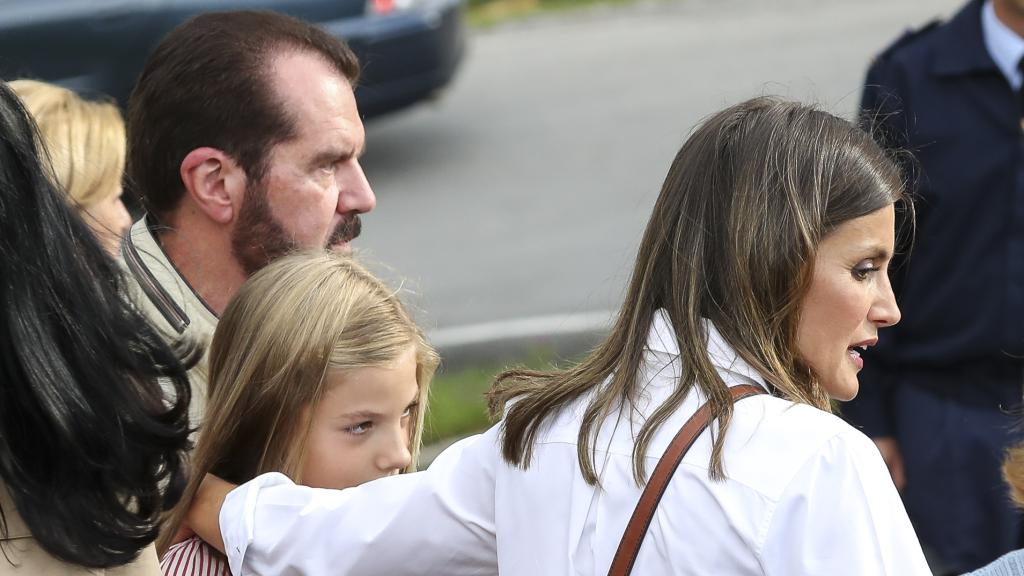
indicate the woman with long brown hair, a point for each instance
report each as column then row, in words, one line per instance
column 760, row 278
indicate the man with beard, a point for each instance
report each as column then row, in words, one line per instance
column 244, row 143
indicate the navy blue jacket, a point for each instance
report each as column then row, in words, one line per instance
column 938, row 94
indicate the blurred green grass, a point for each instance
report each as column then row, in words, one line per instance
column 458, row 405
column 484, row 13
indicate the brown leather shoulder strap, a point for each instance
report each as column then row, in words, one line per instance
column 636, row 530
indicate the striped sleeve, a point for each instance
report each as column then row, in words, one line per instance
column 193, row 557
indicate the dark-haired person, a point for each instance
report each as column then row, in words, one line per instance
column 244, row 143
column 90, row 449
column 763, row 267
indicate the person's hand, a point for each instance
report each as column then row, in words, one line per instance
column 184, row 533
column 204, row 512
column 893, row 458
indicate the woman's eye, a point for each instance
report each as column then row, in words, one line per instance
column 409, row 409
column 359, row 429
column 863, row 271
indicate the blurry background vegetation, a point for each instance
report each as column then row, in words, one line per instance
column 490, row 12
column 458, row 403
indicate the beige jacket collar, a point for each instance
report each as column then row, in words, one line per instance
column 161, row 282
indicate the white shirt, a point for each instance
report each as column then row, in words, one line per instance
column 805, row 494
column 1004, row 45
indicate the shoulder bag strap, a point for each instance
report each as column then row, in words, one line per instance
column 636, row 530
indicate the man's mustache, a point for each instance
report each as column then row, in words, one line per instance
column 347, row 230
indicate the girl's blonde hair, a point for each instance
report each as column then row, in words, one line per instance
column 291, row 323
column 85, row 140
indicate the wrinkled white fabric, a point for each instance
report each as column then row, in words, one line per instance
column 805, row 494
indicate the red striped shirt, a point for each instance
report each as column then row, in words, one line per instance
column 193, row 557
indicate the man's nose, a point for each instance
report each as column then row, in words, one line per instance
column 356, row 195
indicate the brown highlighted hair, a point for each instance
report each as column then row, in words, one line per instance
column 292, row 322
column 731, row 240
column 208, row 84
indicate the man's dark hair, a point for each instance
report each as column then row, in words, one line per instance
column 208, row 84
column 91, row 449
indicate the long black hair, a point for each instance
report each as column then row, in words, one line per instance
column 91, row 444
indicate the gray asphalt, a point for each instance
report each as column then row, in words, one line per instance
column 523, row 191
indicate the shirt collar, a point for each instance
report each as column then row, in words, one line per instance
column 162, row 269
column 734, row 370
column 1004, row 45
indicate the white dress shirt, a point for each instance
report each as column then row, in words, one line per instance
column 805, row 494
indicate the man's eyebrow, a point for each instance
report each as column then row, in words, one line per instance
column 337, row 155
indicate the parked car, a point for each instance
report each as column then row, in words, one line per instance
column 409, row 49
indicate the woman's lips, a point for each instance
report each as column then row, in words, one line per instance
column 855, row 358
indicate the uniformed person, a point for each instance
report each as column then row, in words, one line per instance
column 942, row 392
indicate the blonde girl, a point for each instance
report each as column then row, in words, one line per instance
column 316, row 371
column 85, row 142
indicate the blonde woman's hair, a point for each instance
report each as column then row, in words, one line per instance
column 85, row 140
column 294, row 321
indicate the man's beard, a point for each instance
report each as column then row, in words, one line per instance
column 258, row 238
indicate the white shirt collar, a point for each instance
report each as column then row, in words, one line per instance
column 1003, row 44
column 662, row 338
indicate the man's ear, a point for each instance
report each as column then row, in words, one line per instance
column 215, row 182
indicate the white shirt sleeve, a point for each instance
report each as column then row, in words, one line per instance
column 841, row 515
column 440, row 521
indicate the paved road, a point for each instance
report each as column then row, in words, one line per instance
column 521, row 195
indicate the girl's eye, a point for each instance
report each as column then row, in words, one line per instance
column 359, row 429
column 865, row 270
column 409, row 409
